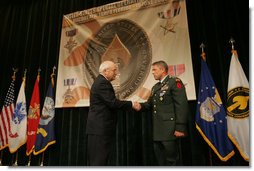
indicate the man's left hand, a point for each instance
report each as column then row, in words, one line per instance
column 179, row 134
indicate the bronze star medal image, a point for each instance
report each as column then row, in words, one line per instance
column 118, row 40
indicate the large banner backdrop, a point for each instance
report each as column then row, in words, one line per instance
column 133, row 34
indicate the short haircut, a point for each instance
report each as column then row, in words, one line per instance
column 104, row 66
column 161, row 64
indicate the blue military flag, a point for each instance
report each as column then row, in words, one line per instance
column 211, row 120
column 46, row 133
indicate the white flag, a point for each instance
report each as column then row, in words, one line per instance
column 19, row 122
column 238, row 107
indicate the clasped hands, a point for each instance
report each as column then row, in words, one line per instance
column 136, row 106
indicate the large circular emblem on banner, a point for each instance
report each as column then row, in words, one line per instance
column 126, row 44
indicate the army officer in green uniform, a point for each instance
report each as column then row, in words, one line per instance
column 169, row 105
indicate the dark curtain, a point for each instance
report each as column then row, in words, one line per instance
column 30, row 37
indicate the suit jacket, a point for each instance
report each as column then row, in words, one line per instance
column 169, row 105
column 102, row 115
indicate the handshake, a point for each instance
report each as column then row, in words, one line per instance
column 136, row 106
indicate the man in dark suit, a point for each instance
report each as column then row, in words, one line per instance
column 169, row 106
column 102, row 115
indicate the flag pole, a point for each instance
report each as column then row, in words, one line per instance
column 16, row 160
column 14, row 78
column 1, row 158
column 29, row 162
column 202, row 47
column 42, row 159
column 210, row 157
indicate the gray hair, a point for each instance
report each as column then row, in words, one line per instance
column 104, row 66
column 161, row 64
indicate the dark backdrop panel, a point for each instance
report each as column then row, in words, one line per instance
column 30, row 36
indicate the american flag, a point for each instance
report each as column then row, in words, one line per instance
column 6, row 116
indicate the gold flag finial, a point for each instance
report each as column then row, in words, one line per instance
column 202, row 47
column 52, row 75
column 24, row 77
column 25, row 71
column 233, row 51
column 14, row 73
column 232, row 41
column 39, row 72
column 53, row 71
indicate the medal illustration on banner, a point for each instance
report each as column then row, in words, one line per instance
column 68, row 95
column 169, row 15
column 71, row 43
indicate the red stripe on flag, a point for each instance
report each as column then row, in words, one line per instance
column 2, row 130
column 6, row 115
column 8, row 125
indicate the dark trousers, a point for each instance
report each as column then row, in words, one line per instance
column 99, row 149
column 166, row 153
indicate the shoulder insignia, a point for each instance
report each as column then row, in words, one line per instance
column 178, row 83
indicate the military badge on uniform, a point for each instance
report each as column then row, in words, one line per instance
column 162, row 93
column 161, row 98
column 164, row 87
column 178, row 83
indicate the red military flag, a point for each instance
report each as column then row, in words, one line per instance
column 33, row 117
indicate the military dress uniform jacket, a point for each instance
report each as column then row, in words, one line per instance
column 169, row 105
